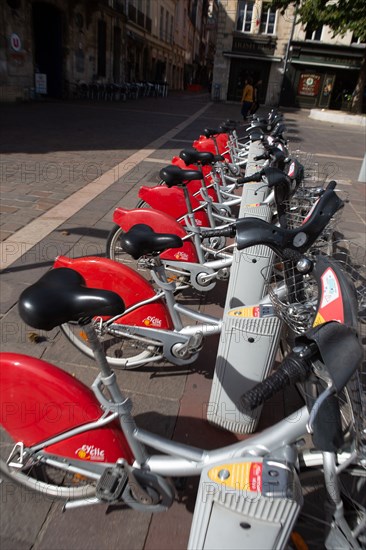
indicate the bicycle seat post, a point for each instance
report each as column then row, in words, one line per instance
column 97, row 348
column 159, row 275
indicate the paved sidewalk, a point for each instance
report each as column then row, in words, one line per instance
column 50, row 152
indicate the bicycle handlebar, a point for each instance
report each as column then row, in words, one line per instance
column 227, row 231
column 294, row 368
column 257, row 176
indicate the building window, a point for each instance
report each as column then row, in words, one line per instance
column 171, row 29
column 245, row 16
column 268, row 20
column 161, row 23
column 312, row 34
column 102, row 48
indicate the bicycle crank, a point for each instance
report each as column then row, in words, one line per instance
column 138, row 489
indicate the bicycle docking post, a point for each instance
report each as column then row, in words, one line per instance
column 245, row 503
column 249, row 338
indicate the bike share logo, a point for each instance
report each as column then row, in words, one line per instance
column 181, row 256
column 89, row 452
column 152, row 321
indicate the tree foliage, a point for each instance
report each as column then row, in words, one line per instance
column 339, row 15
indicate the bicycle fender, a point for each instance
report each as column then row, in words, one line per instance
column 127, row 283
column 172, row 202
column 161, row 223
column 40, row 401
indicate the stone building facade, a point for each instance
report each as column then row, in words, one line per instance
column 50, row 46
column 296, row 66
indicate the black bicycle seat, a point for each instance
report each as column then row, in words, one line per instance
column 209, row 132
column 173, row 175
column 228, row 126
column 141, row 240
column 61, row 296
column 192, row 156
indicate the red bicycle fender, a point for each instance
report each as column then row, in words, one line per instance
column 172, row 202
column 40, row 401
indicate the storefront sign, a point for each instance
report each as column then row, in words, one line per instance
column 40, row 81
column 328, row 60
column 250, row 46
column 15, row 42
column 309, row 84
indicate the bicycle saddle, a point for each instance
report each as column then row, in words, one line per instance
column 228, row 126
column 192, row 156
column 173, row 175
column 61, row 296
column 209, row 132
column 141, row 240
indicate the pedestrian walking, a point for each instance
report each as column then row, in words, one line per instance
column 247, row 97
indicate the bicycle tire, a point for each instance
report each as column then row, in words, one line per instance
column 119, row 350
column 314, row 521
column 142, row 204
column 41, row 477
column 352, row 479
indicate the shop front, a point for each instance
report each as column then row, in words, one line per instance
column 321, row 76
column 250, row 57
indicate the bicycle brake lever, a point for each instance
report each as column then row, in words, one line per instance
column 330, row 390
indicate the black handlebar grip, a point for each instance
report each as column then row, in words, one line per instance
column 332, row 185
column 264, row 156
column 293, row 369
column 292, row 255
column 257, row 176
column 228, row 231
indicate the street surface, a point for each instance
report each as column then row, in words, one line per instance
column 64, row 169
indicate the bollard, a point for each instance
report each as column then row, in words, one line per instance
column 362, row 175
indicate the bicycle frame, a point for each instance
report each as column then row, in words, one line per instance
column 279, row 443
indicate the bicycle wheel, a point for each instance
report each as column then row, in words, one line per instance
column 39, row 476
column 121, row 352
column 315, row 520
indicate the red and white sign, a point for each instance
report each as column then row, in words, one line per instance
column 15, row 42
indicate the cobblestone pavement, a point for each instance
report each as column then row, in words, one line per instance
column 50, row 152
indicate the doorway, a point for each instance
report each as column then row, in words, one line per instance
column 240, row 69
column 47, row 35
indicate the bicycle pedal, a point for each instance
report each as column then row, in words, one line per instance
column 111, row 484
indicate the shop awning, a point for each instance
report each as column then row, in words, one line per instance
column 318, row 64
column 250, row 56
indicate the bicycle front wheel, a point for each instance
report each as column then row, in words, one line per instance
column 315, row 520
column 40, row 477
